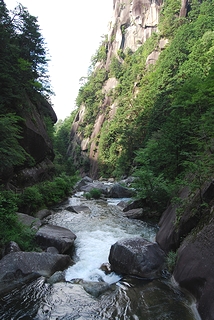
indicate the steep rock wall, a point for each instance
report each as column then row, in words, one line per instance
column 36, row 142
column 132, row 24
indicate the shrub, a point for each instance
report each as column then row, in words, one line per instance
column 94, row 193
column 10, row 227
column 171, row 261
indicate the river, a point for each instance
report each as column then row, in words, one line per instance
column 97, row 228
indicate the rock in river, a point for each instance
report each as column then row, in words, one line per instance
column 136, row 257
column 20, row 267
column 53, row 236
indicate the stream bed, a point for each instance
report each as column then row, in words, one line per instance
column 120, row 298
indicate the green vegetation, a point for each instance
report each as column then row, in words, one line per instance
column 61, row 139
column 171, row 261
column 94, row 193
column 11, row 229
column 45, row 194
column 162, row 131
column 24, row 93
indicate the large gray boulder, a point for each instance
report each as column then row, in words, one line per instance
column 118, row 191
column 136, row 257
column 104, row 188
column 29, row 221
column 179, row 219
column 194, row 270
column 20, row 267
column 54, row 236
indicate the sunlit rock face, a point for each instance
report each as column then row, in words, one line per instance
column 132, row 23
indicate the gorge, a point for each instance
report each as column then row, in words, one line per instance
column 145, row 112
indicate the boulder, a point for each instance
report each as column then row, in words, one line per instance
column 118, row 191
column 96, row 288
column 52, row 250
column 58, row 276
column 104, row 188
column 29, row 221
column 194, row 270
column 135, row 214
column 20, row 267
column 84, row 181
column 54, row 236
column 136, row 257
column 179, row 219
column 41, row 214
column 135, row 204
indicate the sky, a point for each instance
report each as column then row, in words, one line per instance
column 73, row 32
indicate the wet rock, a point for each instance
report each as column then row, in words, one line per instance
column 106, row 267
column 118, row 191
column 136, row 257
column 33, row 223
column 194, row 270
column 53, row 236
column 58, row 276
column 19, row 267
column 96, row 288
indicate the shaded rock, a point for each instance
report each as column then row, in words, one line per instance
column 194, row 270
column 137, row 257
column 53, row 236
column 78, row 209
column 84, row 181
column 118, row 191
column 19, row 267
column 134, row 214
column 52, row 250
column 11, row 247
column 135, row 204
column 41, row 214
column 33, row 223
column 58, row 276
column 178, row 220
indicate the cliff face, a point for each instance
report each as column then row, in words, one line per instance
column 36, row 142
column 132, row 24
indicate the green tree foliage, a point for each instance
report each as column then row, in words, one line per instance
column 23, row 64
column 63, row 162
column 162, row 129
column 11, row 229
column 11, row 152
column 23, row 57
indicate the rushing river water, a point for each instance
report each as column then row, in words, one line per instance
column 121, row 299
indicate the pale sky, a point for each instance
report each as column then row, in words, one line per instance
column 72, row 31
